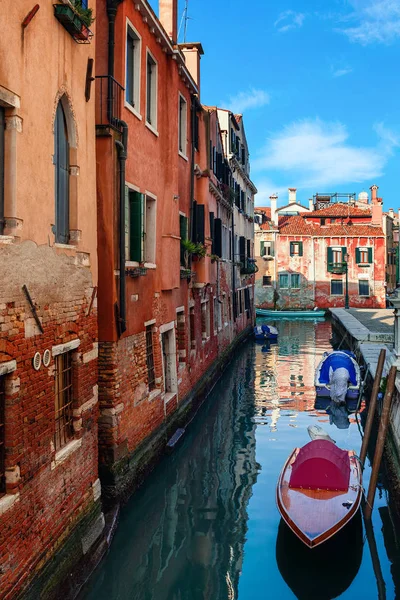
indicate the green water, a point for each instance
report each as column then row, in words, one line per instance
column 205, row 525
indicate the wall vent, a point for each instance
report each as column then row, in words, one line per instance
column 37, row 361
column 46, row 358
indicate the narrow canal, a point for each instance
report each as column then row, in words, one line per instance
column 205, row 525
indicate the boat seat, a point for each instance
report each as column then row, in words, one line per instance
column 335, row 361
column 321, row 465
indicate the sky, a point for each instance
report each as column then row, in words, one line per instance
column 318, row 84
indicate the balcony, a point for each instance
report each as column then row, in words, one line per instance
column 109, row 101
column 73, row 22
column 337, row 268
column 248, row 267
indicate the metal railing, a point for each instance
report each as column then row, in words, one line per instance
column 337, row 267
column 248, row 267
column 109, row 101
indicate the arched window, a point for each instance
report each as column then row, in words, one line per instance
column 61, row 161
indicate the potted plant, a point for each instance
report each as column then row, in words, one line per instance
column 196, row 249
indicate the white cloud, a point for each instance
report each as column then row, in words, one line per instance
column 315, row 154
column 266, row 187
column 341, row 72
column 251, row 98
column 374, row 21
column 289, row 20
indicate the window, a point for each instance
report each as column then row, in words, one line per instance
column 332, row 221
column 2, row 436
column 2, row 154
column 205, row 320
column 149, row 230
column 216, row 317
column 335, row 258
column 183, row 230
column 283, row 280
column 168, row 344
column 296, row 248
column 150, row 358
column 192, row 328
column 61, row 162
column 63, row 400
column 132, row 84
column 336, row 287
column 134, row 221
column 267, row 280
column 295, row 280
column 323, row 221
column 364, row 256
column 180, row 325
column 182, row 125
column 363, row 287
column 266, row 248
column 151, row 92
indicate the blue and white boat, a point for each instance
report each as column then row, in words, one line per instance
column 265, row 332
column 338, row 377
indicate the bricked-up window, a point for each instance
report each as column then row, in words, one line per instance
column 2, row 436
column 192, row 328
column 150, row 358
column 205, row 320
column 63, row 400
column 180, row 326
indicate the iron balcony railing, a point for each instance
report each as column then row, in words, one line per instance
column 109, row 101
column 337, row 267
column 248, row 267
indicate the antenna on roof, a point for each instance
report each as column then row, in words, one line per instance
column 184, row 21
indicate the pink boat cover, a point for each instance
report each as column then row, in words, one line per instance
column 320, row 464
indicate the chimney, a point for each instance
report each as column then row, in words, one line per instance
column 168, row 16
column 391, row 213
column 192, row 53
column 273, row 200
column 292, row 195
column 311, row 204
column 376, row 206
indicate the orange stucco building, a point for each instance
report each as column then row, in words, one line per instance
column 49, row 486
column 167, row 214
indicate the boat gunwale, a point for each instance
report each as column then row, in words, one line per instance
column 328, row 533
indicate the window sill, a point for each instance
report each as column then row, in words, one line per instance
column 169, row 396
column 64, row 453
column 132, row 263
column 6, row 239
column 64, row 246
column 182, row 155
column 154, row 394
column 149, row 265
column 151, row 128
column 133, row 110
column 363, row 264
column 7, row 501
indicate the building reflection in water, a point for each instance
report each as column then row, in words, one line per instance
column 181, row 537
column 285, row 374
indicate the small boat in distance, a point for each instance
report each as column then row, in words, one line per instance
column 265, row 332
column 290, row 314
column 338, row 376
column 319, row 490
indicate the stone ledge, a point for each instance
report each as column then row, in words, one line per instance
column 8, row 367
column 7, row 501
column 62, row 348
column 64, row 453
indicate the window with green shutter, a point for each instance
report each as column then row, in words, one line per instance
column 296, row 248
column 183, row 227
column 295, row 280
column 363, row 255
column 283, row 280
column 262, row 248
column 135, row 226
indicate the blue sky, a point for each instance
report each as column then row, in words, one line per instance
column 318, row 82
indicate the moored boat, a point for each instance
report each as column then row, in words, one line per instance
column 338, row 376
column 290, row 314
column 319, row 490
column 265, row 332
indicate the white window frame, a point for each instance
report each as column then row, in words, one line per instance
column 334, row 250
column 130, row 263
column 150, row 243
column 136, row 71
column 154, row 94
column 182, row 126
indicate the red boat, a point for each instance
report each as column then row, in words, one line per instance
column 319, row 490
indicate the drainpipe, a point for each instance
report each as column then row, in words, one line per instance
column 2, row 126
column 122, row 147
column 192, row 150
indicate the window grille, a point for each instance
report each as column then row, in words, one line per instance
column 150, row 358
column 63, row 400
column 2, row 437
column 336, row 287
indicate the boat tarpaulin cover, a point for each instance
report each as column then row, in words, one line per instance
column 320, row 464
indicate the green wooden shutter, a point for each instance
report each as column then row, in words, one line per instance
column 127, row 255
column 199, row 231
column 344, row 252
column 370, row 258
column 218, row 237
column 262, row 248
column 291, row 249
column 358, row 257
column 242, row 249
column 183, row 233
column 212, row 233
column 329, row 259
column 136, row 225
column 300, row 248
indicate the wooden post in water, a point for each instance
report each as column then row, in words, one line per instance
column 372, row 406
column 380, row 443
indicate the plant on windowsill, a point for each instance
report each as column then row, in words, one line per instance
column 251, row 219
column 214, row 257
column 75, row 19
column 196, row 249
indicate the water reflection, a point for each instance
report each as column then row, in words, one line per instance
column 182, row 537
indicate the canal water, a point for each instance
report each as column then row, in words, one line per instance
column 205, row 525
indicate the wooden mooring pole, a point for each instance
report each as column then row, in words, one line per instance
column 372, row 406
column 380, row 443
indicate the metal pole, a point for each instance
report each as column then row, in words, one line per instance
column 372, row 406
column 380, row 443
column 346, row 299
